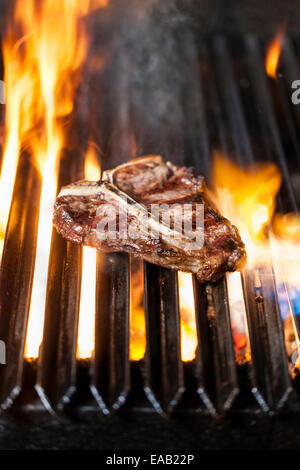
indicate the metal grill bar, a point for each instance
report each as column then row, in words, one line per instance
column 270, row 390
column 164, row 380
column 287, row 118
column 266, row 116
column 56, row 373
column 269, row 126
column 270, row 376
column 111, row 367
column 215, row 360
column 195, row 127
column 217, row 377
column 16, row 276
column 214, row 112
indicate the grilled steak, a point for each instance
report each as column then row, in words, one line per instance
column 152, row 210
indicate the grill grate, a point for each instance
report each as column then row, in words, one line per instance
column 217, row 384
column 249, row 118
column 110, row 368
column 164, row 371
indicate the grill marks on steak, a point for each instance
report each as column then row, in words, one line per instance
column 135, row 186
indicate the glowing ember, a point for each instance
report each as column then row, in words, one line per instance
column 187, row 317
column 273, row 53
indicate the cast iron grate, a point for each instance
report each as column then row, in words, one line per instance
column 246, row 116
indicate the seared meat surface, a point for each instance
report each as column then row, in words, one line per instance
column 152, row 210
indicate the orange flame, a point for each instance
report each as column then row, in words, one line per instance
column 273, row 53
column 44, row 49
column 137, row 313
column 238, row 317
column 287, row 227
column 86, row 324
column 247, row 197
column 187, row 317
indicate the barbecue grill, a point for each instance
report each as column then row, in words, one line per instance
column 60, row 401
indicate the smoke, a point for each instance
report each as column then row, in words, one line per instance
column 141, row 88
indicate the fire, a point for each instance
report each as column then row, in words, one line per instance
column 238, row 317
column 247, row 197
column 287, row 227
column 285, row 244
column 86, row 325
column 273, row 53
column 187, row 317
column 137, row 313
column 44, row 48
column 92, row 170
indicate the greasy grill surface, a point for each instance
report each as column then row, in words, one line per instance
column 245, row 115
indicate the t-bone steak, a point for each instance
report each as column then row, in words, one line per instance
column 151, row 209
